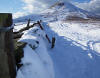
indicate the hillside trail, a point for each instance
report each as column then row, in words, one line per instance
column 71, row 61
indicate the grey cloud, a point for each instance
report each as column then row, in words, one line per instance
column 38, row 5
column 92, row 6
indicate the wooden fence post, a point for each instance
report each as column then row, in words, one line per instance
column 28, row 24
column 53, row 42
column 39, row 22
column 7, row 59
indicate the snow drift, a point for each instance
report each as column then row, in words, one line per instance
column 36, row 61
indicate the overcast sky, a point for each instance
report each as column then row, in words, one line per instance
column 22, row 7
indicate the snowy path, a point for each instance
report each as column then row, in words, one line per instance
column 71, row 61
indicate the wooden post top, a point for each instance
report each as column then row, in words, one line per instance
column 5, row 19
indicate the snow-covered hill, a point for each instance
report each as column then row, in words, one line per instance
column 77, row 49
column 66, row 10
column 76, row 53
column 36, row 62
column 60, row 11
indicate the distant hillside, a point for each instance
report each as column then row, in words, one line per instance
column 61, row 11
column 66, row 10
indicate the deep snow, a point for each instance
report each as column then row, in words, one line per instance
column 77, row 49
column 72, row 55
column 76, row 53
column 36, row 61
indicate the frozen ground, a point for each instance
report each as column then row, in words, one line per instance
column 76, row 53
column 77, row 50
column 83, row 35
column 36, row 61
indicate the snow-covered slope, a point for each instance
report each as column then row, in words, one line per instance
column 33, row 17
column 75, row 54
column 60, row 11
column 36, row 62
column 77, row 49
column 66, row 10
